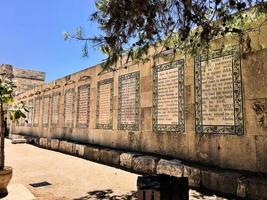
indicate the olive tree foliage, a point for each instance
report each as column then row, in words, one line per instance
column 132, row 26
column 7, row 105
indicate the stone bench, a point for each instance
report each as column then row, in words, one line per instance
column 18, row 141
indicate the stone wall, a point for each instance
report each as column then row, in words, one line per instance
column 212, row 113
column 25, row 79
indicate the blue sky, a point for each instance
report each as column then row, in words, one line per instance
column 31, row 35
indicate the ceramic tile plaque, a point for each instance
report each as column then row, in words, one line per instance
column 30, row 113
column 168, row 97
column 55, row 108
column 69, row 107
column 129, row 101
column 46, row 107
column 104, row 104
column 36, row 111
column 83, row 106
column 219, row 93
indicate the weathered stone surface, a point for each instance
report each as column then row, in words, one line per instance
column 17, row 141
column 170, row 167
column 48, row 144
column 109, row 156
column 55, row 144
column 79, row 150
column 91, row 153
column 70, row 148
column 193, row 174
column 36, row 141
column 43, row 142
column 145, row 164
column 223, row 182
column 126, row 159
column 256, row 188
column 63, row 146
column 242, row 185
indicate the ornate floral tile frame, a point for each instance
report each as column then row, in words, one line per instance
column 238, row 127
column 86, row 124
column 135, row 125
column 180, row 126
column 37, row 109
column 47, row 106
column 70, row 91
column 55, row 116
column 100, row 83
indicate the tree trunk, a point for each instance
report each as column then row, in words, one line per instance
column 2, row 135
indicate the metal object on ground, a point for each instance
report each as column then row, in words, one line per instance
column 162, row 187
column 40, row 184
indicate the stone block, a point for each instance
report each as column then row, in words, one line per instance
column 70, row 148
column 48, row 144
column 18, row 141
column 145, row 164
column 79, row 150
column 223, row 182
column 253, row 188
column 35, row 141
column 63, row 146
column 242, row 185
column 91, row 153
column 43, row 142
column 55, row 144
column 126, row 159
column 170, row 167
column 109, row 156
column 193, row 174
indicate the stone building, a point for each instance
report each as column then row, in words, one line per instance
column 25, row 79
column 209, row 114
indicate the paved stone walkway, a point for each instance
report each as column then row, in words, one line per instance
column 71, row 177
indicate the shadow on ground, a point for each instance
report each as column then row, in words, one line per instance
column 108, row 195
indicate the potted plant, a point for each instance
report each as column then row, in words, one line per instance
column 16, row 112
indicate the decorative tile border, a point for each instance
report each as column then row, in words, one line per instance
column 83, row 125
column 238, row 128
column 180, row 127
column 99, row 83
column 55, row 116
column 135, row 126
column 46, row 106
column 69, row 91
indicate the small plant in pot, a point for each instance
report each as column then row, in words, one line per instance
column 15, row 112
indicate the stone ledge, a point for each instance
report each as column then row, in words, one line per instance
column 126, row 159
column 55, row 144
column 193, row 174
column 145, row 164
column 79, row 150
column 170, row 167
column 91, row 153
column 109, row 156
column 43, row 142
column 178, row 169
column 18, row 141
column 252, row 188
column 222, row 181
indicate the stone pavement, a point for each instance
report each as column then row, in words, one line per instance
column 71, row 177
column 18, row 192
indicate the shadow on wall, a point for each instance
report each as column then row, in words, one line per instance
column 108, row 195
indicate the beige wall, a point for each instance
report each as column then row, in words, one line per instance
column 243, row 152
